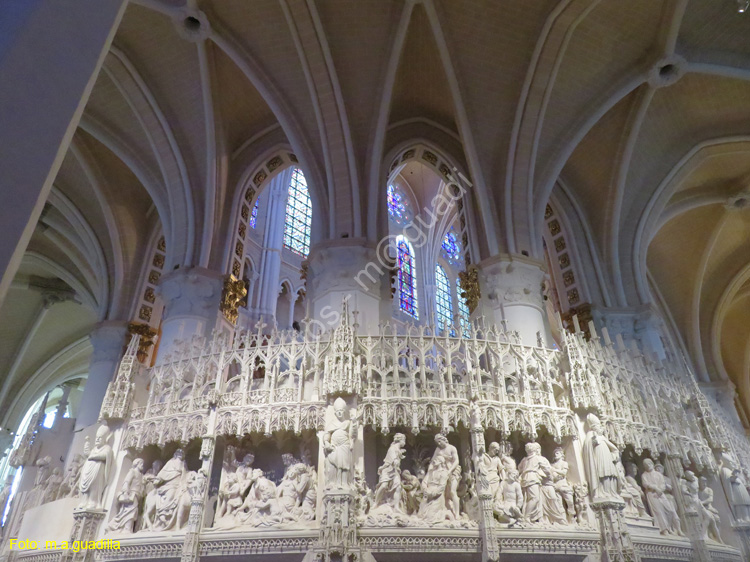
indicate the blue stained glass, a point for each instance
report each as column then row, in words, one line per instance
column 298, row 215
column 254, row 215
column 443, row 301
column 398, row 206
column 463, row 311
column 451, row 247
column 407, row 280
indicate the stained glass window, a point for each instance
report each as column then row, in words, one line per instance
column 443, row 301
column 407, row 277
column 298, row 215
column 254, row 215
column 398, row 206
column 451, row 247
column 463, row 310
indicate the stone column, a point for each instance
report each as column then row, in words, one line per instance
column 191, row 306
column 50, row 55
column 617, row 545
column 641, row 325
column 511, row 296
column 487, row 527
column 273, row 244
column 346, row 269
column 108, row 340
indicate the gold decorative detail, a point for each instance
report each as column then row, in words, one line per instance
column 547, row 212
column 236, row 268
column 245, row 212
column 554, row 228
column 274, row 163
column 573, row 296
column 583, row 311
column 293, row 157
column 231, row 297
column 569, row 278
column 242, row 230
column 560, row 244
column 249, row 194
column 147, row 338
column 148, row 295
column 428, row 156
column 145, row 313
column 393, row 166
column 158, row 261
column 408, row 154
column 304, row 269
column 153, row 277
column 239, row 248
column 445, row 170
column 564, row 261
column 470, row 292
column 161, row 245
column 260, row 177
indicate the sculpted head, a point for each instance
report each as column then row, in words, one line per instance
column 559, row 454
column 689, row 476
column 339, row 408
column 494, row 449
column 441, row 440
column 648, row 465
column 702, row 483
column 399, row 438
column 631, row 469
column 179, row 454
column 512, row 475
column 102, row 434
column 533, row 449
column 594, row 423
column 138, row 464
column 659, row 467
column 248, row 459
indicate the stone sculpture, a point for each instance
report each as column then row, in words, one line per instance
column 412, row 496
column 52, row 486
column 490, row 470
column 600, row 456
column 42, row 471
column 129, row 499
column 168, row 483
column 5, row 494
column 388, row 491
column 734, row 488
column 563, row 487
column 151, row 495
column 69, row 485
column 440, row 499
column 585, row 516
column 711, row 518
column 635, row 502
column 509, row 502
column 664, row 514
column 337, row 444
column 95, row 471
column 541, row 501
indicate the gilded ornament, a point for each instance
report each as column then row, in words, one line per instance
column 231, row 298
column 470, row 292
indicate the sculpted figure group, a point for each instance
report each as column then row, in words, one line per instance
column 247, row 497
column 158, row 500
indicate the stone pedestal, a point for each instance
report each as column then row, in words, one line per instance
column 487, row 527
column 85, row 528
column 617, row 545
column 108, row 340
column 351, row 270
column 511, row 296
column 191, row 306
column 743, row 533
column 338, row 528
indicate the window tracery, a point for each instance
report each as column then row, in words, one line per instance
column 407, row 277
column 298, row 215
column 443, row 300
column 399, row 209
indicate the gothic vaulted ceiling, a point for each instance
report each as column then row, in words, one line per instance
column 639, row 111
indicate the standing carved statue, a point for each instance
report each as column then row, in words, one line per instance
column 151, row 494
column 541, row 501
column 637, row 504
column 168, row 484
column 42, row 471
column 388, row 491
column 711, row 517
column 490, row 470
column 52, row 487
column 509, row 502
column 600, row 458
column 440, row 501
column 664, row 513
column 668, row 487
column 690, row 489
column 734, row 488
column 95, row 471
column 337, row 444
column 129, row 499
column 560, row 469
